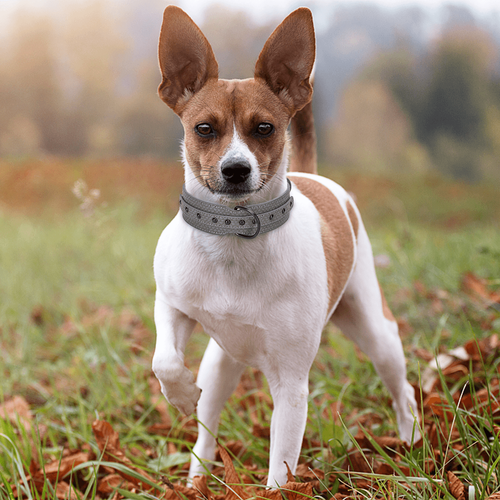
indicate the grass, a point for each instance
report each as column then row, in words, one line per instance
column 77, row 337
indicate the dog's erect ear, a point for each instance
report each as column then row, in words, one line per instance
column 186, row 58
column 287, row 59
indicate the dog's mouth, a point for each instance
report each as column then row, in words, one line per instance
column 231, row 192
column 232, row 185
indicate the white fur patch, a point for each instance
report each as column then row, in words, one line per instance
column 238, row 150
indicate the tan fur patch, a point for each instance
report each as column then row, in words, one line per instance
column 385, row 307
column 336, row 235
column 354, row 219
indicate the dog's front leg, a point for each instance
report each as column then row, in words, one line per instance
column 218, row 377
column 173, row 329
column 289, row 392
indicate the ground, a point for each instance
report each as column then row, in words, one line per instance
column 81, row 415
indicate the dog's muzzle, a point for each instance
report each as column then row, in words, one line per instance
column 245, row 221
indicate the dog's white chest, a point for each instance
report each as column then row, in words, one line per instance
column 244, row 293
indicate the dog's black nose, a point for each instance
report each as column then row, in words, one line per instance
column 236, row 172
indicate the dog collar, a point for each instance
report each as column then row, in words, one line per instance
column 246, row 221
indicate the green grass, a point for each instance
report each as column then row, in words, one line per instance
column 77, row 338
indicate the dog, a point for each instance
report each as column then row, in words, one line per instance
column 260, row 258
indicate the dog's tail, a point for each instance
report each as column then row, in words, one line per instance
column 304, row 158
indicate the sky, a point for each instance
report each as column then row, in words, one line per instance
column 263, row 9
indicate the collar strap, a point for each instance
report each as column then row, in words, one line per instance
column 246, row 221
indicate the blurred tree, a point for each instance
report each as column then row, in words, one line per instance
column 93, row 49
column 371, row 132
column 30, row 90
column 454, row 118
column 235, row 39
column 448, row 96
column 401, row 70
column 458, row 93
column 146, row 126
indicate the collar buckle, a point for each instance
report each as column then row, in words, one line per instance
column 255, row 220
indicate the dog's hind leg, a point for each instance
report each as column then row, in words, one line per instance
column 363, row 316
column 218, row 377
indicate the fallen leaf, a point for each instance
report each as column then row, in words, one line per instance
column 292, row 491
column 457, row 489
column 423, row 354
column 37, row 315
column 200, row 485
column 17, row 410
column 289, row 476
column 64, row 491
column 109, row 483
column 108, row 440
column 234, row 490
column 306, row 472
column 57, row 469
column 477, row 288
column 109, row 443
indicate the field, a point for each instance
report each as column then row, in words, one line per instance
column 81, row 415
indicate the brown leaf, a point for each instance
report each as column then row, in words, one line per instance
column 17, row 410
column 200, row 485
column 355, row 461
column 289, row 476
column 477, row 288
column 435, row 403
column 107, row 439
column 37, row 315
column 305, row 472
column 109, row 443
column 109, row 483
column 495, row 496
column 457, row 489
column 261, row 431
column 64, row 491
column 388, row 443
column 160, row 429
column 423, row 354
column 57, row 469
column 292, row 491
column 457, row 370
column 179, row 490
column 234, row 490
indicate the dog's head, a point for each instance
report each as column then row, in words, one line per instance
column 235, row 130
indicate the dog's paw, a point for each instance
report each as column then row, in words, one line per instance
column 183, row 396
column 408, row 417
column 198, row 468
column 178, row 386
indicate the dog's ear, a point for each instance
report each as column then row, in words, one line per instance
column 186, row 58
column 287, row 59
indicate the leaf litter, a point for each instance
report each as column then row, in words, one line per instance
column 459, row 371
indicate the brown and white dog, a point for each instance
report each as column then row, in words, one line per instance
column 263, row 301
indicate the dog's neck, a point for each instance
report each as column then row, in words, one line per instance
column 274, row 187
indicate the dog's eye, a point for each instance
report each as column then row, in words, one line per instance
column 204, row 129
column 264, row 129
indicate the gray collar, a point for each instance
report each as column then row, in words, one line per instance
column 246, row 221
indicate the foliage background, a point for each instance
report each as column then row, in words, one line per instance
column 407, row 110
column 395, row 90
